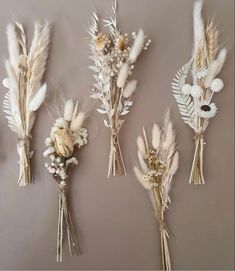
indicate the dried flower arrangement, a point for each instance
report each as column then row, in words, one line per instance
column 159, row 163
column 194, row 101
column 67, row 135
column 114, row 55
column 25, row 69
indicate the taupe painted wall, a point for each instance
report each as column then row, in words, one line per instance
column 116, row 226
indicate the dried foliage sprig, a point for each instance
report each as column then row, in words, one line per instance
column 158, row 163
column 114, row 55
column 25, row 69
column 194, row 101
column 67, row 135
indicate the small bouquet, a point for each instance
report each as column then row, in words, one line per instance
column 67, row 135
column 114, row 55
column 25, row 69
column 195, row 101
column 158, row 163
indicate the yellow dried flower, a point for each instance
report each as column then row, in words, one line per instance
column 63, row 143
column 120, row 43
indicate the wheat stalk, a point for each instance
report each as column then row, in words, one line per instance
column 114, row 55
column 194, row 101
column 25, row 92
column 158, row 164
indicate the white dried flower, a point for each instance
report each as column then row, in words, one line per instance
column 48, row 141
column 207, row 111
column 217, row 85
column 61, row 123
column 186, row 89
column 196, row 91
column 49, row 151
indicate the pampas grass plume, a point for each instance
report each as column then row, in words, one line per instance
column 13, row 45
column 141, row 145
column 215, row 67
column 174, row 164
column 137, row 46
column 169, row 136
column 122, row 76
column 142, row 162
column 76, row 123
column 199, row 29
column 140, row 178
column 68, row 110
column 130, row 88
column 156, row 136
column 38, row 98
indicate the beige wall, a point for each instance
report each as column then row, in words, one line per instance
column 116, row 226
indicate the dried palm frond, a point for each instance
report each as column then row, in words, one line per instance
column 26, row 93
column 158, row 164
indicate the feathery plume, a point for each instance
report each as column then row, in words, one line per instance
column 130, row 88
column 137, row 46
column 68, row 110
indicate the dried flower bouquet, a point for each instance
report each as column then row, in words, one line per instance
column 67, row 135
column 114, row 55
column 158, row 163
column 25, row 69
column 194, row 101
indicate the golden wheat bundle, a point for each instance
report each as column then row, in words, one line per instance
column 195, row 100
column 158, row 161
column 67, row 135
column 25, row 69
column 114, row 55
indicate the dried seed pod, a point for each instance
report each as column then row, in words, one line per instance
column 63, row 143
column 120, row 43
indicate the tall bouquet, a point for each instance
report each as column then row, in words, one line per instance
column 114, row 55
column 25, row 69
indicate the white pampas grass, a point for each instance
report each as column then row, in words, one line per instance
column 38, row 98
column 141, row 145
column 122, row 76
column 130, row 88
column 215, row 67
column 174, row 164
column 140, row 177
column 76, row 123
column 68, row 110
column 142, row 162
column 199, row 29
column 156, row 136
column 137, row 46
column 169, row 136
column 13, row 45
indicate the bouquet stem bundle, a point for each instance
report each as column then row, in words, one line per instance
column 116, row 163
column 25, row 69
column 196, row 175
column 158, row 165
column 65, row 222
column 194, row 101
column 67, row 134
column 114, row 55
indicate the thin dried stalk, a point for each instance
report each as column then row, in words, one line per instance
column 196, row 175
column 65, row 223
